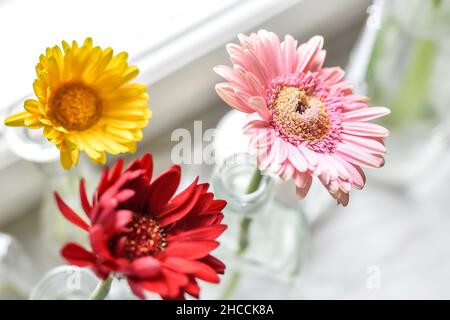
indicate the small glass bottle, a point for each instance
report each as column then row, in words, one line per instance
column 65, row 283
column 74, row 283
column 276, row 235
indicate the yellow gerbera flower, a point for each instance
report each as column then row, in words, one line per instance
column 85, row 102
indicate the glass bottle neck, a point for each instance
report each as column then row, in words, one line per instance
column 231, row 179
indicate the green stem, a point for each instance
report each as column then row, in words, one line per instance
column 254, row 181
column 102, row 289
column 243, row 235
column 409, row 101
column 231, row 285
column 253, row 185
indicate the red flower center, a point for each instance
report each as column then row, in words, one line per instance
column 146, row 238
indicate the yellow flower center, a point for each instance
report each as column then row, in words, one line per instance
column 146, row 237
column 299, row 115
column 75, row 107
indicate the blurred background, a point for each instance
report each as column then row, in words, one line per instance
column 391, row 242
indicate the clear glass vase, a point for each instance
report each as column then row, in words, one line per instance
column 275, row 235
column 54, row 230
column 402, row 62
column 74, row 283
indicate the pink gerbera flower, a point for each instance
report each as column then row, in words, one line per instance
column 304, row 120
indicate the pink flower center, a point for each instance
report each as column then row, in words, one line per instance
column 146, row 237
column 299, row 115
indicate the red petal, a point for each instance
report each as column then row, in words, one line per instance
column 70, row 214
column 136, row 288
column 195, row 268
column 192, row 288
column 144, row 268
column 215, row 263
column 179, row 211
column 159, row 286
column 115, row 221
column 84, row 199
column 99, row 242
column 116, row 171
column 190, row 249
column 163, row 188
column 206, row 233
column 174, row 281
column 124, row 195
column 147, row 164
column 204, row 202
column 217, row 205
column 103, row 184
column 108, row 200
column 77, row 255
column 180, row 199
column 198, row 221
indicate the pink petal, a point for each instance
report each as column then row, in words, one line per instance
column 317, row 63
column 230, row 75
column 367, row 144
column 332, row 75
column 287, row 171
column 359, row 158
column 307, row 52
column 340, row 169
column 365, row 114
column 280, row 150
column 259, row 105
column 226, row 92
column 357, row 176
column 297, row 159
column 303, row 191
column 289, row 49
column 364, row 129
column 310, row 157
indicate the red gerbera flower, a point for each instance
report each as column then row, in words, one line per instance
column 140, row 231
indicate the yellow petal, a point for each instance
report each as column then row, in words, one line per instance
column 132, row 147
column 123, row 124
column 32, row 106
column 124, row 134
column 65, row 157
column 75, row 154
column 118, row 60
column 130, row 74
column 33, row 122
column 101, row 159
column 88, row 42
column 17, row 120
column 53, row 73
